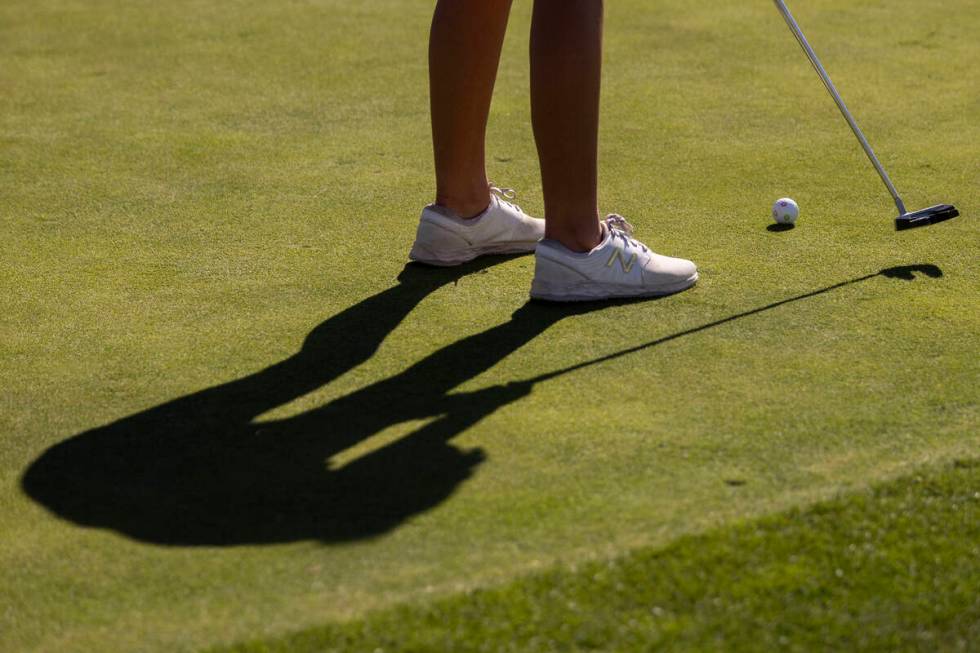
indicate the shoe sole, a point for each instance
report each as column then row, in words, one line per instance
column 422, row 254
column 591, row 291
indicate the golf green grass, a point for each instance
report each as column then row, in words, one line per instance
column 229, row 412
column 892, row 569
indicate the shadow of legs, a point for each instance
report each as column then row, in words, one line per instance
column 199, row 471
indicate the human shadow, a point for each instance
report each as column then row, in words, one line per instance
column 201, row 470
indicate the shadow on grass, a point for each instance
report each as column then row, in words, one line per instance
column 199, row 470
column 779, row 227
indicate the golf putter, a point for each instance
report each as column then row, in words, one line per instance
column 905, row 219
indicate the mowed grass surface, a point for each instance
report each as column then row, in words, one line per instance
column 191, row 191
column 891, row 569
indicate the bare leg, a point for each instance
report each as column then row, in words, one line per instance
column 566, row 60
column 464, row 50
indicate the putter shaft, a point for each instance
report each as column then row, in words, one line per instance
column 812, row 56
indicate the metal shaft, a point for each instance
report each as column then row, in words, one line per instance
column 812, row 56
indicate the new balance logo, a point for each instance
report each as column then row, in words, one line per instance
column 618, row 256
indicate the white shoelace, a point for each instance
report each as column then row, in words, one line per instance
column 504, row 194
column 619, row 227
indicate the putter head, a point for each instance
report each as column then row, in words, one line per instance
column 925, row 217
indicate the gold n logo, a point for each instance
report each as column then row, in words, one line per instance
column 626, row 265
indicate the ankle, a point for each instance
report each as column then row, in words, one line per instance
column 468, row 206
column 581, row 239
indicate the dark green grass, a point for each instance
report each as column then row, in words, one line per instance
column 896, row 568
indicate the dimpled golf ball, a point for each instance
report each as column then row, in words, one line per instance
column 785, row 211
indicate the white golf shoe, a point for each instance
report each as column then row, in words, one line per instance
column 444, row 238
column 617, row 267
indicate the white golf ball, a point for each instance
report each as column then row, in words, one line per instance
column 785, row 211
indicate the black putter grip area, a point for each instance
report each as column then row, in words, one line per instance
column 925, row 217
